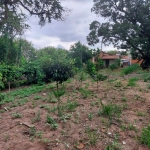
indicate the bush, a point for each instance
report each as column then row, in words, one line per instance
column 33, row 72
column 145, row 136
column 132, row 81
column 113, row 66
column 99, row 64
column 58, row 71
column 130, row 69
column 90, row 68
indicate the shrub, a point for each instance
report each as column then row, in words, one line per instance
column 58, row 71
column 113, row 66
column 90, row 68
column 132, row 81
column 130, row 69
column 33, row 72
column 99, row 64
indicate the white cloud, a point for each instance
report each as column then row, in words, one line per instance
column 75, row 28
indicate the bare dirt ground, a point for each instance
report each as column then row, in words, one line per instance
column 25, row 127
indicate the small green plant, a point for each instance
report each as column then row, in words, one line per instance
column 16, row 115
column 52, row 122
column 117, row 83
column 110, row 110
column 98, row 77
column 114, row 145
column 58, row 93
column 132, row 81
column 90, row 116
column 37, row 97
column 84, row 92
column 145, row 136
column 71, row 105
column 124, row 99
column 130, row 69
column 39, row 134
column 37, row 117
column 93, row 136
column 113, row 66
column 66, row 117
column 140, row 113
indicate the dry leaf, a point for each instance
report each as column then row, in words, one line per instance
column 80, row 146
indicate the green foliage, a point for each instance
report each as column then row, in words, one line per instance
column 130, row 69
column 132, row 81
column 145, row 136
column 80, row 53
column 110, row 110
column 10, row 73
column 99, row 64
column 113, row 66
column 119, row 23
column 93, row 136
column 52, row 122
column 58, row 71
column 15, row 21
column 16, row 115
column 33, row 72
column 90, row 68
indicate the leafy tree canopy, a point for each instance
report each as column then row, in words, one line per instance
column 127, row 26
column 14, row 13
column 81, row 52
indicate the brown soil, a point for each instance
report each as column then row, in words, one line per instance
column 85, row 129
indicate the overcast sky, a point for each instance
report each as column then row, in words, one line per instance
column 63, row 34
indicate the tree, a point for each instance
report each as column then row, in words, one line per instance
column 80, row 52
column 127, row 26
column 45, row 10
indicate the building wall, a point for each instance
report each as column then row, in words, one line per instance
column 111, row 61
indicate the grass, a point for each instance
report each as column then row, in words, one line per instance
column 110, row 110
column 16, row 115
column 145, row 136
column 92, row 135
column 132, row 81
column 37, row 117
column 130, row 69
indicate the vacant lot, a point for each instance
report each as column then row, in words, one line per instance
column 108, row 118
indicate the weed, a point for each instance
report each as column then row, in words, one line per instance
column 51, row 98
column 52, row 122
column 140, row 113
column 22, row 102
column 37, row 117
column 130, row 69
column 117, row 83
column 148, row 86
column 16, row 115
column 39, row 134
column 90, row 116
column 70, row 106
column 132, row 81
column 110, row 110
column 66, row 117
column 124, row 99
column 92, row 136
column 145, row 136
column 37, row 97
column 33, row 104
column 131, row 127
column 58, row 93
column 114, row 145
column 84, row 93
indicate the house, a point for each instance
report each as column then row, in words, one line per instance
column 110, row 59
